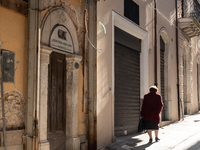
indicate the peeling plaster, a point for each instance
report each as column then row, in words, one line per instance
column 14, row 102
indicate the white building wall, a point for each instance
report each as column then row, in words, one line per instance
column 166, row 20
column 105, row 76
column 195, row 49
column 105, row 98
column 188, row 50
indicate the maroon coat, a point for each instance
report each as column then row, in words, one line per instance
column 152, row 106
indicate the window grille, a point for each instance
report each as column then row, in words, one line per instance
column 189, row 9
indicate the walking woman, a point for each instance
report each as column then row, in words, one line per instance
column 151, row 109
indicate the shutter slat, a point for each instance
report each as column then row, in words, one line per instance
column 127, row 89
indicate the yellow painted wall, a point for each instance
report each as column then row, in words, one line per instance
column 14, row 36
column 76, row 3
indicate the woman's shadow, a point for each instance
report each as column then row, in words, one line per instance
column 134, row 143
column 142, row 147
column 128, row 144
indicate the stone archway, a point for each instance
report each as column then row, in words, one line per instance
column 58, row 16
column 167, row 88
column 53, row 17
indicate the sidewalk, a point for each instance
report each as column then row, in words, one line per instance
column 181, row 135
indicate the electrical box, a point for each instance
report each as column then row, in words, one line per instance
column 8, row 66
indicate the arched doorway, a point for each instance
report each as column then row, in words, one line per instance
column 58, row 90
column 165, row 73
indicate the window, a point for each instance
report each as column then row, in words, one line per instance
column 131, row 11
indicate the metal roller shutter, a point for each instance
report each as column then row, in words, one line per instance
column 162, row 73
column 127, row 90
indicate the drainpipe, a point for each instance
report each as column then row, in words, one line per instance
column 177, row 63
column 38, row 74
column 155, row 44
column 32, row 72
column 92, row 53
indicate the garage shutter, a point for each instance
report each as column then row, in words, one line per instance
column 162, row 73
column 127, row 90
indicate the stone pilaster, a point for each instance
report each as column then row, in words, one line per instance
column 43, row 100
column 72, row 67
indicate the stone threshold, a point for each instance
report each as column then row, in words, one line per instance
column 164, row 123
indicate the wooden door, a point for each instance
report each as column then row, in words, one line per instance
column 57, row 102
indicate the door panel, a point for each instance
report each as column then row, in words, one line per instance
column 57, row 102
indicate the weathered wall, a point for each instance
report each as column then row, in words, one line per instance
column 189, row 48
column 14, row 35
column 16, row 5
column 14, row 110
column 75, row 10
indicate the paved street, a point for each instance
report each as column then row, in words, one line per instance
column 182, row 135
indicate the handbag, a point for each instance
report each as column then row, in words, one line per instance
column 141, row 125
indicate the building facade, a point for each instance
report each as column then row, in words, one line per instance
column 14, row 42
column 47, row 105
column 145, row 43
column 189, row 51
column 82, row 67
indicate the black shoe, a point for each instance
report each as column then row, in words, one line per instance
column 150, row 140
column 157, row 139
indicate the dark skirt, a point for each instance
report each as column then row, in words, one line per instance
column 151, row 125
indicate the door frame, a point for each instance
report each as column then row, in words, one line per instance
column 54, row 16
column 72, row 68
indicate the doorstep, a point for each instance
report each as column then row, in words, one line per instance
column 164, row 123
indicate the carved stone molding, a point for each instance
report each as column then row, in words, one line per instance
column 189, row 26
column 44, row 56
column 55, row 16
column 73, row 62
